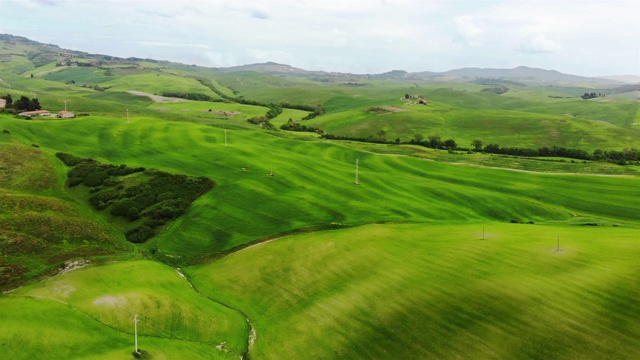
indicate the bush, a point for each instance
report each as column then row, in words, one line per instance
column 140, row 234
column 68, row 159
column 133, row 214
column 121, row 208
column 95, row 178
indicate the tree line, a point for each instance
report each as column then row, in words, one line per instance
column 313, row 111
column 628, row 156
column 22, row 104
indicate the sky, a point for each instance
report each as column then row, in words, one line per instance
column 588, row 38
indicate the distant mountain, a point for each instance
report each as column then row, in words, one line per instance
column 629, row 79
column 521, row 73
column 267, row 68
column 42, row 54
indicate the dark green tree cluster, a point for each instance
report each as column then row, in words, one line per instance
column 274, row 111
column 591, row 95
column 154, row 199
column 434, row 142
column 191, row 96
column 625, row 157
column 296, row 126
column 22, row 104
column 318, row 110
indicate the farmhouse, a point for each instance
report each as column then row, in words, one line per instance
column 65, row 114
column 36, row 112
column 3, row 103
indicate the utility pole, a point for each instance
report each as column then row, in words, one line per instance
column 135, row 329
column 483, row 233
column 558, row 250
column 65, row 105
column 128, row 117
column 356, row 182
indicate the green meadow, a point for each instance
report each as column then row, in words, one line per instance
column 391, row 291
column 296, row 253
column 96, row 306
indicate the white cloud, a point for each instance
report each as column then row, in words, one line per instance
column 338, row 35
column 538, row 43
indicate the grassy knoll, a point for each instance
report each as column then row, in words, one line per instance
column 87, row 314
column 40, row 229
column 397, row 291
column 313, row 183
column 159, row 83
column 506, row 127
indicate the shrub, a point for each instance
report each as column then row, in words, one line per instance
column 140, row 234
column 95, row 178
column 68, row 159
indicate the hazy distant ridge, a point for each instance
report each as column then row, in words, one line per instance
column 521, row 73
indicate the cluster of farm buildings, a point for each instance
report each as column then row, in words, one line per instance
column 60, row 114
column 64, row 114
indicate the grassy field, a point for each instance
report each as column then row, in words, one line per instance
column 391, row 291
column 175, row 321
column 300, row 198
column 432, row 255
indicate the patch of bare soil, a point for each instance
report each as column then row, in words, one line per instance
column 110, row 300
column 157, row 98
column 385, row 109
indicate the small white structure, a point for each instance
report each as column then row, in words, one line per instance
column 66, row 114
column 36, row 112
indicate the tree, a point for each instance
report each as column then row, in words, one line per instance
column 418, row 138
column 24, row 103
column 133, row 214
column 9, row 101
column 381, row 134
column 435, row 141
column 477, row 145
column 450, row 144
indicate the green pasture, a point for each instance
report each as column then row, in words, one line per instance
column 80, row 75
column 398, row 291
column 88, row 313
column 432, row 254
column 313, row 183
column 158, row 83
column 505, row 127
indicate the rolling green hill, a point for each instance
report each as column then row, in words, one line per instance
column 432, row 254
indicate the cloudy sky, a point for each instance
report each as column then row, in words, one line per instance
column 583, row 37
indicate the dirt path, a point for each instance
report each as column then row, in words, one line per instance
column 157, row 98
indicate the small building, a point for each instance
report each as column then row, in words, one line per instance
column 36, row 112
column 65, row 114
column 3, row 103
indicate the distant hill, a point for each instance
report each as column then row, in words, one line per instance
column 521, row 73
column 41, row 54
column 630, row 79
